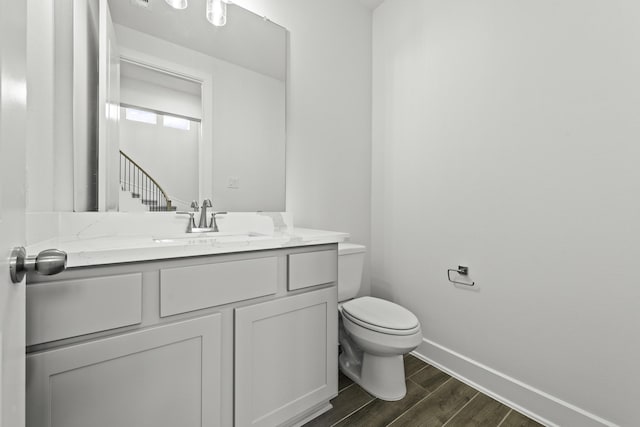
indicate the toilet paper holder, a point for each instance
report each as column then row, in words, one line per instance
column 461, row 270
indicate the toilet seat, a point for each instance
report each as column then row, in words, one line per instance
column 381, row 316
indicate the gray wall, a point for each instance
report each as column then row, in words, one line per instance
column 505, row 138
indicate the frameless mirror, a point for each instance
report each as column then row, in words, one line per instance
column 187, row 110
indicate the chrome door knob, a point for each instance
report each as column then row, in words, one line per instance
column 47, row 263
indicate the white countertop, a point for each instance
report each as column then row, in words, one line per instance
column 90, row 251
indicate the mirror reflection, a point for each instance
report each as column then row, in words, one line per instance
column 160, row 116
column 201, row 108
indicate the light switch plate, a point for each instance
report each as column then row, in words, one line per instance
column 233, row 182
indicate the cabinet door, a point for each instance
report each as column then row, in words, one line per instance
column 163, row 376
column 285, row 357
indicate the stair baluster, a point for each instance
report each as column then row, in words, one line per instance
column 140, row 184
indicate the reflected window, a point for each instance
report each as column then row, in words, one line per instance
column 176, row 122
column 142, row 116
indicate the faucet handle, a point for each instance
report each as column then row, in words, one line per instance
column 194, row 205
column 192, row 221
column 213, row 224
column 214, row 214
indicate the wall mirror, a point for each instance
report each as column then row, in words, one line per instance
column 187, row 110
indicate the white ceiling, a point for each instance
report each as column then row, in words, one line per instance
column 371, row 4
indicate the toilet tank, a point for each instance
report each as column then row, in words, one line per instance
column 350, row 265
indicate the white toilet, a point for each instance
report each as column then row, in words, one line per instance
column 374, row 333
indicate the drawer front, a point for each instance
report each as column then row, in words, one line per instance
column 58, row 310
column 184, row 289
column 312, row 269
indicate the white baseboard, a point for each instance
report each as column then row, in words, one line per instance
column 534, row 403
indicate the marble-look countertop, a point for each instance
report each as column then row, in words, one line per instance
column 91, row 251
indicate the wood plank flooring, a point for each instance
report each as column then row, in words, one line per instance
column 433, row 399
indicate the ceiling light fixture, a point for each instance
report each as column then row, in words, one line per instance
column 177, row 4
column 217, row 12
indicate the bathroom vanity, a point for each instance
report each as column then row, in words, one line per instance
column 219, row 338
column 153, row 328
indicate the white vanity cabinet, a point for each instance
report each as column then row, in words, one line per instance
column 207, row 341
column 285, row 357
column 164, row 376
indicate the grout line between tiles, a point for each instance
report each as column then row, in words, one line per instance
column 459, row 410
column 505, row 417
column 352, row 412
column 416, row 384
column 416, row 372
column 344, row 388
column 418, row 402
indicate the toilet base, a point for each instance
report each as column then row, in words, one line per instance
column 380, row 376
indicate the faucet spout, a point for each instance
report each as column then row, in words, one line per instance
column 206, row 203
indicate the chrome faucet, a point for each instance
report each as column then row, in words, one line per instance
column 204, row 225
column 206, row 203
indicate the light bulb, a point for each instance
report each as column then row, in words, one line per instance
column 177, row 4
column 217, row 12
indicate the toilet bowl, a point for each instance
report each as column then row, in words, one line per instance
column 374, row 333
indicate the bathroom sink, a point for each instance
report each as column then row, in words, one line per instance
column 209, row 237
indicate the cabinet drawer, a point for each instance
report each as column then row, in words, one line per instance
column 184, row 289
column 312, row 268
column 58, row 310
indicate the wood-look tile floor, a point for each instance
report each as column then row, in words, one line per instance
column 433, row 399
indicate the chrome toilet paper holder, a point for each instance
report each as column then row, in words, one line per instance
column 461, row 270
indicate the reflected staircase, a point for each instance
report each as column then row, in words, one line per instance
column 136, row 183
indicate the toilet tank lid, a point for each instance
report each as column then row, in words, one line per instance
column 350, row 248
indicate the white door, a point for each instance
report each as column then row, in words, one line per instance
column 13, row 97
